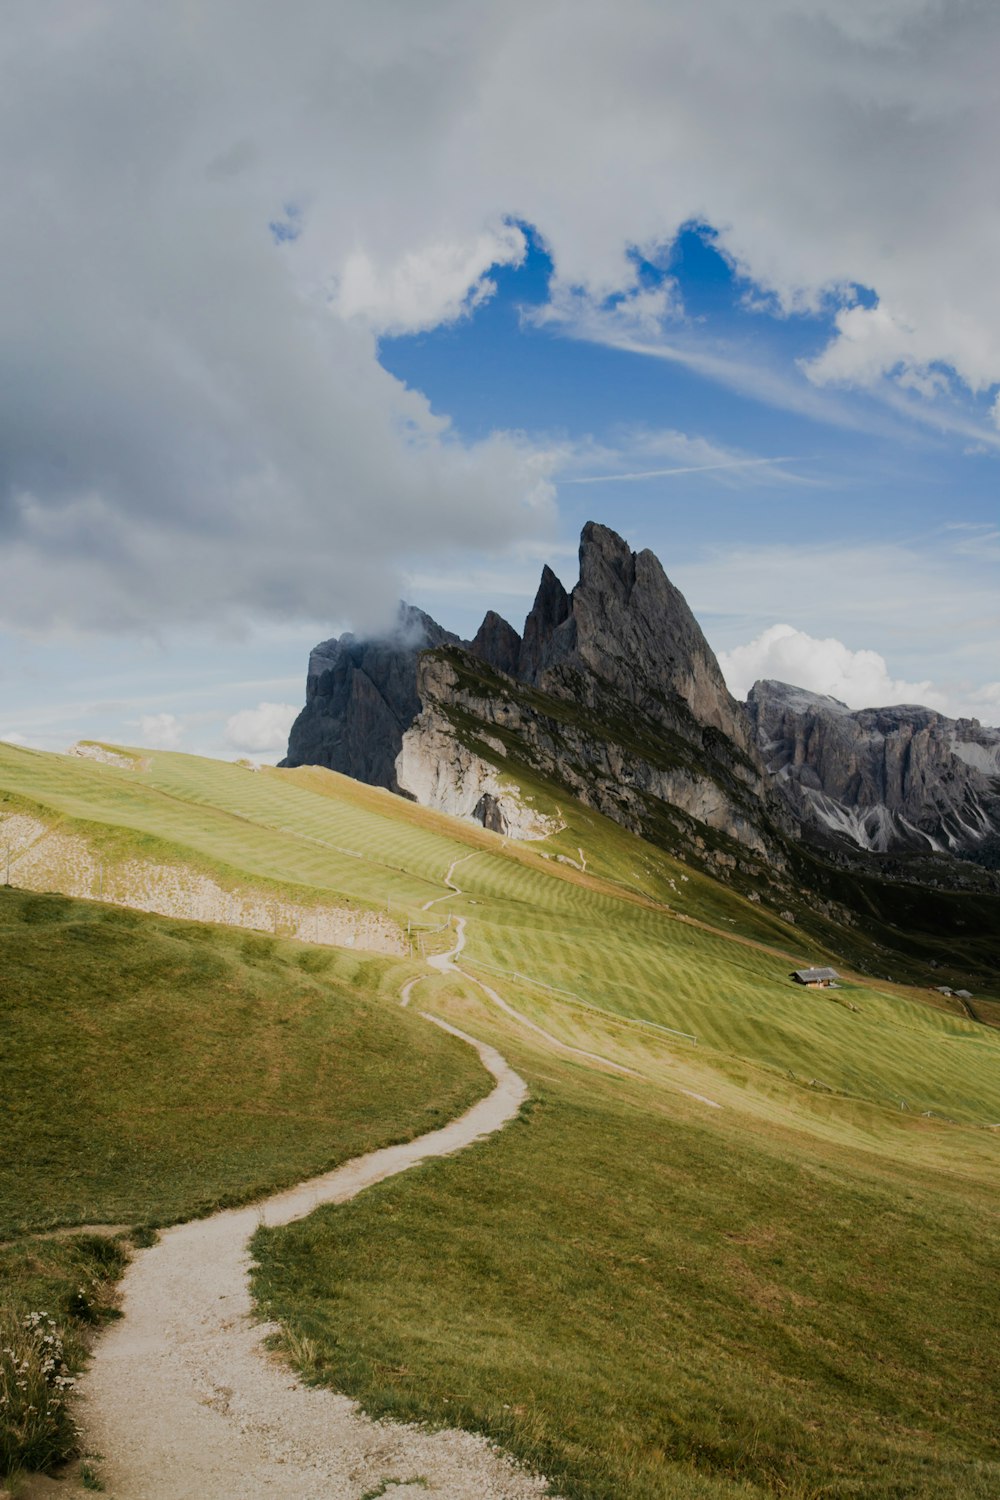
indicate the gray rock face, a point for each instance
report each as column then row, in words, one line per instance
column 497, row 644
column 620, row 780
column 647, row 720
column 886, row 779
column 625, row 623
column 549, row 611
column 361, row 696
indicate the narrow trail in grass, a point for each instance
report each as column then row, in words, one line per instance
column 182, row 1402
column 444, row 962
column 453, row 889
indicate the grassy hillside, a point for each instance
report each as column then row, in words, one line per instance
column 647, row 1295
column 642, row 1297
column 154, row 1070
column 870, row 910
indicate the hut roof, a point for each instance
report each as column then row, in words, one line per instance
column 814, row 976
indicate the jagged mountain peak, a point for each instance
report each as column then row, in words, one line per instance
column 497, row 643
column 550, row 610
column 904, row 777
column 768, row 689
column 625, row 630
column 629, row 625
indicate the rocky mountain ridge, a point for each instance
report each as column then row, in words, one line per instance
column 361, row 695
column 612, row 692
column 889, row 780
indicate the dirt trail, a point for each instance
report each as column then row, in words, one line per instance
column 182, row 1402
column 453, row 889
column 445, row 961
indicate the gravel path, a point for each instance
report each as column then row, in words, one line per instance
column 183, row 1403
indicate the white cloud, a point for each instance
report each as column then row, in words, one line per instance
column 635, row 454
column 983, row 703
column 160, row 731
column 860, row 679
column 930, row 612
column 436, row 284
column 261, row 730
column 193, row 419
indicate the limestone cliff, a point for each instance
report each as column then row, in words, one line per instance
column 606, row 755
column 361, row 695
column 885, row 779
column 437, row 770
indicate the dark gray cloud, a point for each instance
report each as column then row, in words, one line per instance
column 193, row 419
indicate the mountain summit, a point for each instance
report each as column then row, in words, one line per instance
column 627, row 699
column 612, row 692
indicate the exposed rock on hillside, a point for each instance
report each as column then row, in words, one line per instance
column 887, row 779
column 610, row 757
column 44, row 858
column 437, row 770
column 612, row 691
column 360, row 698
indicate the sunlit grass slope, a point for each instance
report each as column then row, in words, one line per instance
column 636, row 933
column 646, row 1298
column 644, row 1295
column 151, row 1069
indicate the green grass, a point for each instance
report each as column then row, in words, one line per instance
column 268, row 827
column 641, row 1299
column 55, row 1293
column 644, row 1297
column 153, row 1070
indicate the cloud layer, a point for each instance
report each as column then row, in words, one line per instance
column 261, row 730
column 212, row 213
column 860, row 679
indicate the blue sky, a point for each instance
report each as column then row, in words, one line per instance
column 373, row 318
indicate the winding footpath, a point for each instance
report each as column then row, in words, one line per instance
column 446, row 961
column 182, row 1402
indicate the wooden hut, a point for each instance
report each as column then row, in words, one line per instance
column 817, row 979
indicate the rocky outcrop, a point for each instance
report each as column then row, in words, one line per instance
column 884, row 779
column 612, row 691
column 497, row 644
column 625, row 623
column 549, row 612
column 45, row 858
column 437, row 770
column 360, row 698
column 625, row 781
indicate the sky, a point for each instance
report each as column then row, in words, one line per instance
column 307, row 308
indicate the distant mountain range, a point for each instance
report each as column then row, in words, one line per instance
column 885, row 779
column 612, row 694
column 654, row 718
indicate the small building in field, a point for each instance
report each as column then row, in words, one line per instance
column 817, row 979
